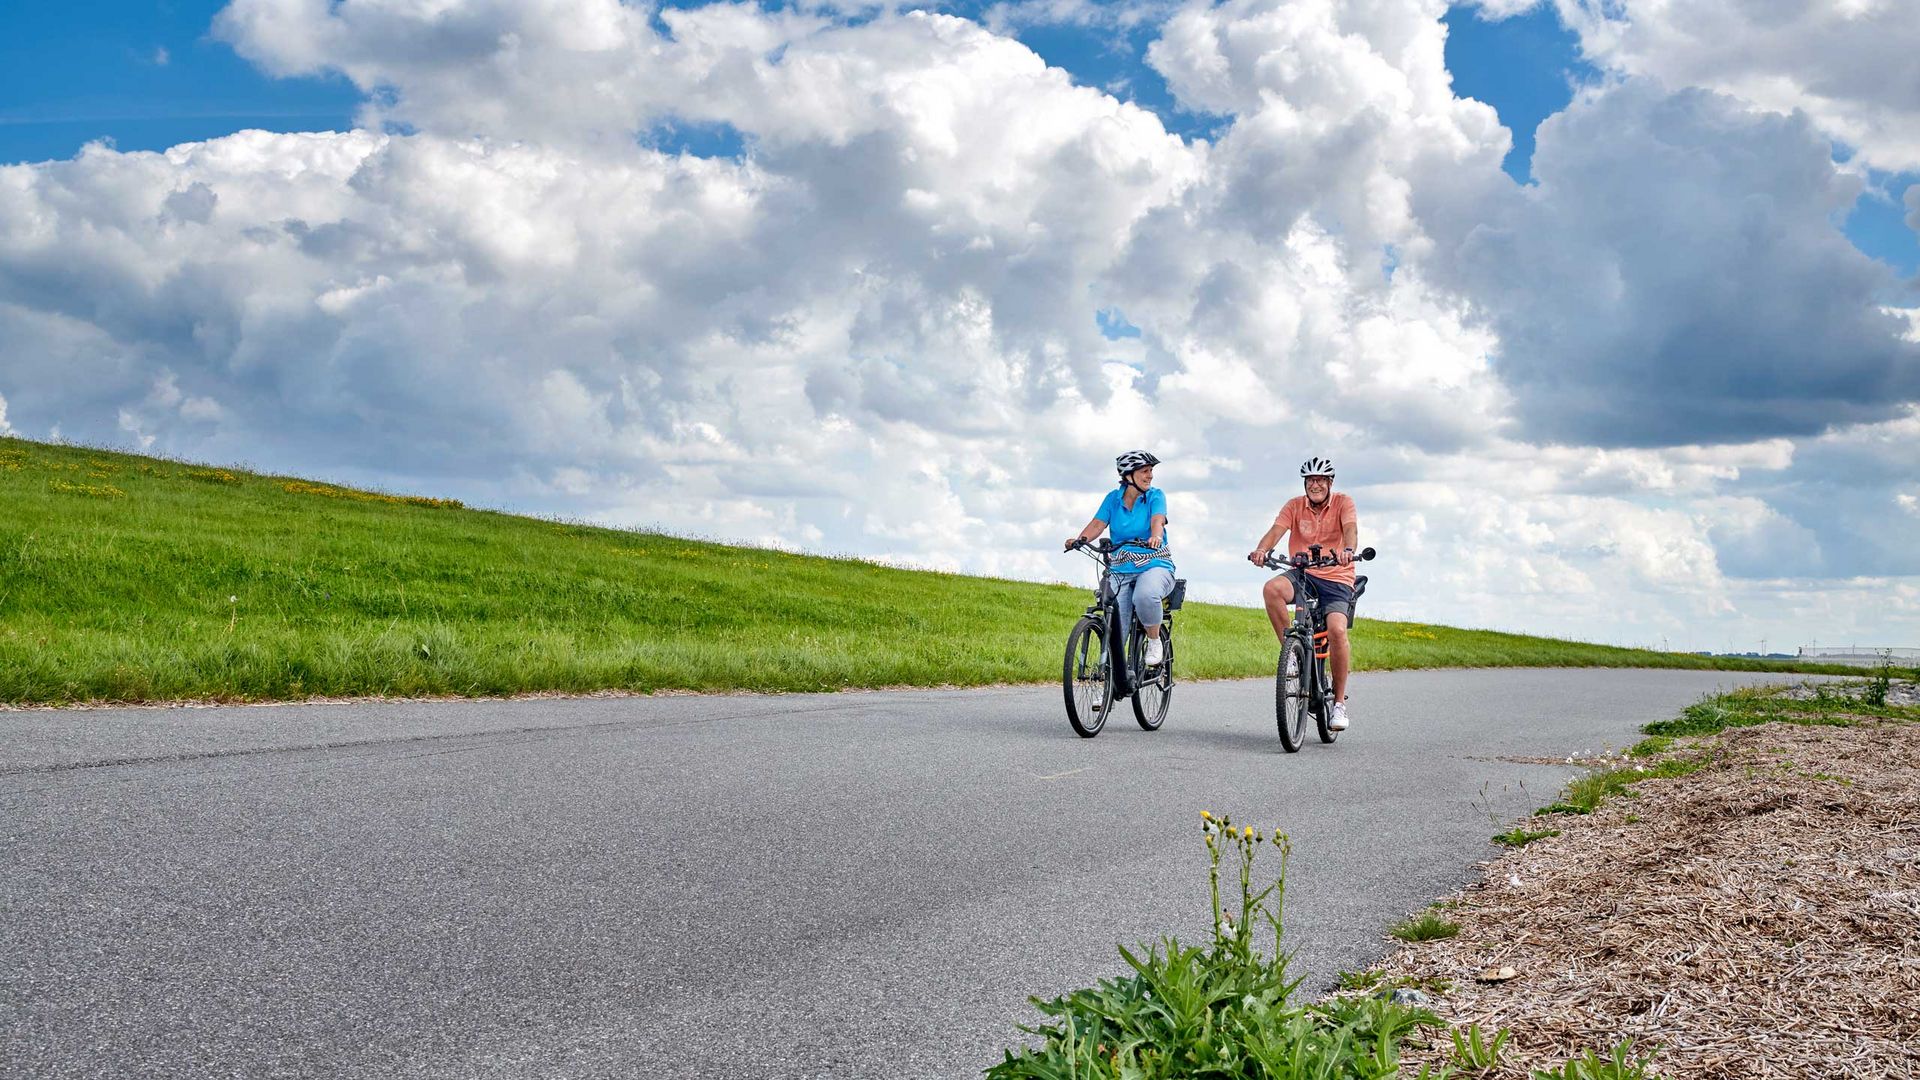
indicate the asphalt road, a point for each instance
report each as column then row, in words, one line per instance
column 853, row 885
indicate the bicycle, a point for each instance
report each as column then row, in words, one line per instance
column 1090, row 681
column 1301, row 683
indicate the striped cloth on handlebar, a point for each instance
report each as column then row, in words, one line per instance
column 1141, row 556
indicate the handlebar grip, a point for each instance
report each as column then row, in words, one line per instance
column 1366, row 553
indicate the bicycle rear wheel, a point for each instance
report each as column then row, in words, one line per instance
column 1083, row 677
column 1155, row 689
column 1290, row 694
column 1323, row 706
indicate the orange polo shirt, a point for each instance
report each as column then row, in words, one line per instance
column 1306, row 525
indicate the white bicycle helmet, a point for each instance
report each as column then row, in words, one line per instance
column 1316, row 466
column 1134, row 459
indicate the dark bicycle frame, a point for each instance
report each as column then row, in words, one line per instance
column 1105, row 607
column 1310, row 627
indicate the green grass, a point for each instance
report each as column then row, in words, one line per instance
column 1519, row 836
column 1585, row 793
column 1829, row 704
column 128, row 578
column 1426, row 926
column 1228, row 1009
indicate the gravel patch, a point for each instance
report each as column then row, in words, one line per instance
column 1757, row 918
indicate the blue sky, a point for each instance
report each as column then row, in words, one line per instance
column 1525, row 67
column 148, row 76
column 145, row 75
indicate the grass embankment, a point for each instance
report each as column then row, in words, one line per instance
column 128, row 578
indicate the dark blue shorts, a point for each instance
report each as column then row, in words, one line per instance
column 1334, row 595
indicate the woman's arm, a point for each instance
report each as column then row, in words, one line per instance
column 1091, row 530
column 1156, row 531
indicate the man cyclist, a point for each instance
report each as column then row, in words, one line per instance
column 1136, row 515
column 1325, row 517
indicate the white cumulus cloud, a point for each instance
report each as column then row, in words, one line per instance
column 1852, row 66
column 876, row 328
column 1674, row 276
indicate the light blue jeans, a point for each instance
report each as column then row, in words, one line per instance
column 1144, row 591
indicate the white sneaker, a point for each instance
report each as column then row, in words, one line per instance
column 1339, row 721
column 1155, row 652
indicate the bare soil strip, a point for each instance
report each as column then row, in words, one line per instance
column 1757, row 918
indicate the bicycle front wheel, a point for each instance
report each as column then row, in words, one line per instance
column 1290, row 692
column 1083, row 677
column 1155, row 689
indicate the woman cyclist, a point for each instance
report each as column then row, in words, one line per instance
column 1135, row 515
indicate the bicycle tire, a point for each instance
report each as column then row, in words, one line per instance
column 1290, row 700
column 1084, row 678
column 1152, row 695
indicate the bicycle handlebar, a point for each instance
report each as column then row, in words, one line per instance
column 1105, row 546
column 1303, row 561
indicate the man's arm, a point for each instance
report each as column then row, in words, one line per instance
column 1349, row 535
column 1264, row 548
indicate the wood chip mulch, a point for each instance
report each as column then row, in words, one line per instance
column 1758, row 918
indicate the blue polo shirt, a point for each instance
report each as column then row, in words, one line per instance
column 1136, row 524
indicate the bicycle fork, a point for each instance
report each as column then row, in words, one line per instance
column 1117, row 650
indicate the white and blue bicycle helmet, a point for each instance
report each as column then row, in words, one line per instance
column 1134, row 459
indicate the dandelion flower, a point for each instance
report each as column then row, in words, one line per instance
column 1249, row 832
column 233, row 599
column 1204, row 816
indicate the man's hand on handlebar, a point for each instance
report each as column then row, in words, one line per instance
column 1302, row 561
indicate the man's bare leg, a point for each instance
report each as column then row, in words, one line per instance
column 1278, row 593
column 1339, row 653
